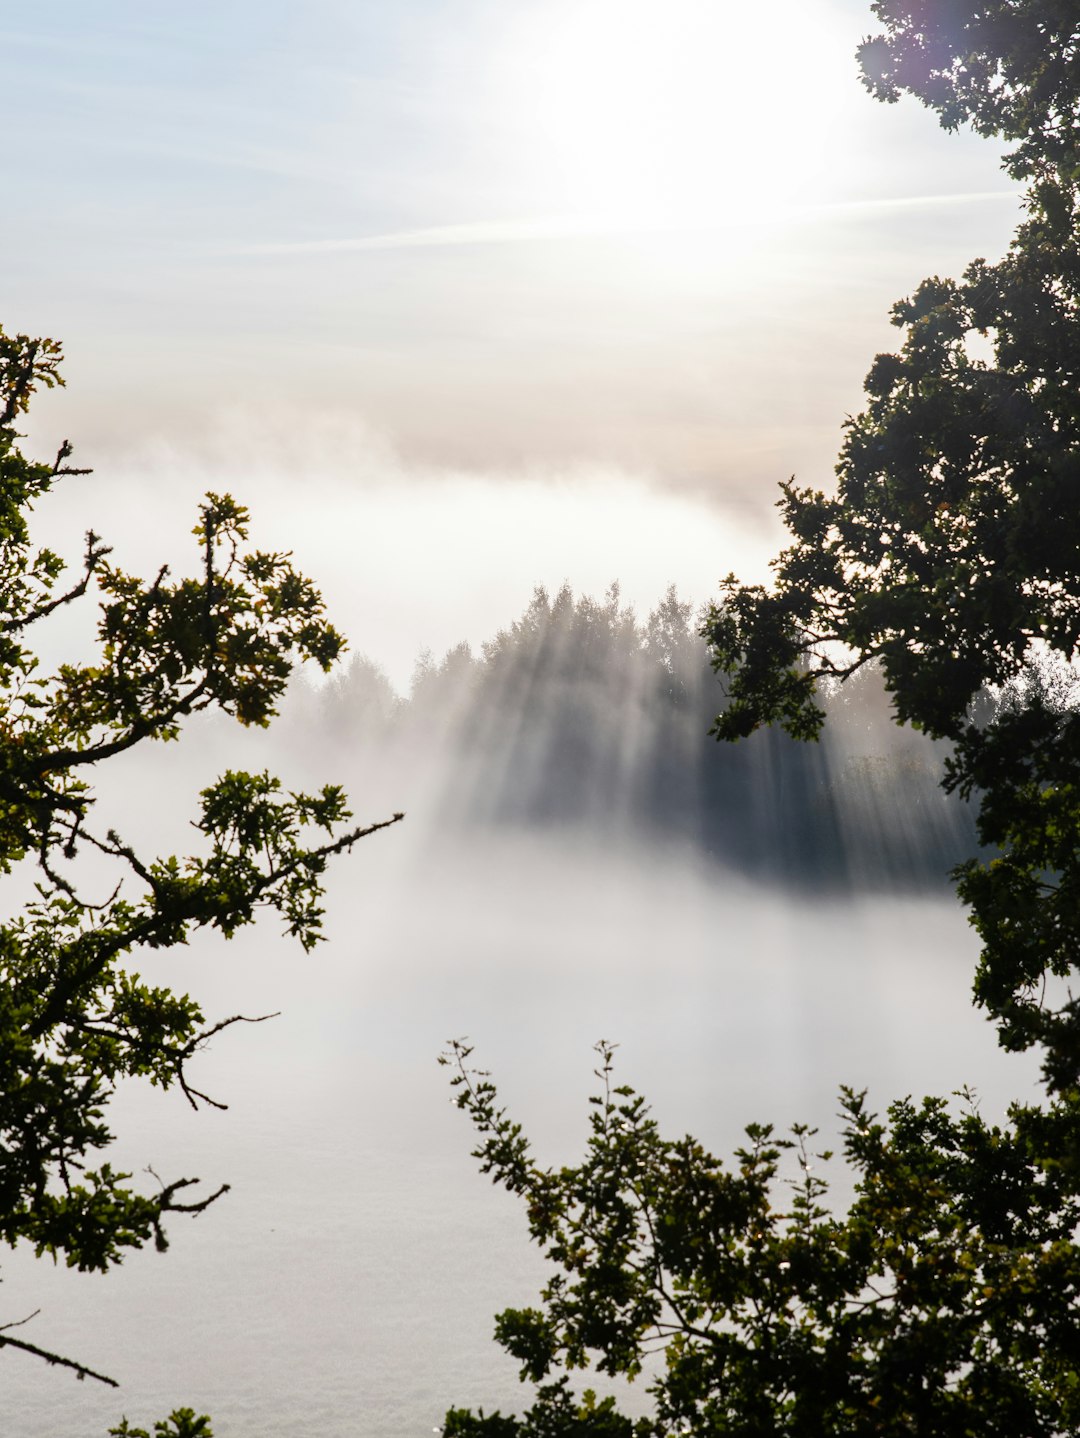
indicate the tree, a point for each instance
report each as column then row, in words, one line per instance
column 75, row 1017
column 944, row 1301
column 950, row 552
column 181, row 1423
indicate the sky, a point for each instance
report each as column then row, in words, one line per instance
column 460, row 296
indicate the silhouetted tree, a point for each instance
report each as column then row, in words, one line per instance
column 359, row 701
column 943, row 1302
column 75, row 1018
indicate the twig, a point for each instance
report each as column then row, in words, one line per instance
column 53, row 1359
column 193, row 1094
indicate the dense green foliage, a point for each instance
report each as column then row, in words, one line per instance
column 944, row 1300
column 1008, row 68
column 75, row 1017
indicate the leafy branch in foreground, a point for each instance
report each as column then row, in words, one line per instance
column 75, row 1015
column 942, row 1302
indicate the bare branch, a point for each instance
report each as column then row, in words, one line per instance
column 199, row 1041
column 53, row 1359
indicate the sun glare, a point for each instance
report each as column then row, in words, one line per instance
column 684, row 113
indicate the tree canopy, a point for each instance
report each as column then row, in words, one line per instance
column 1006, row 67
column 75, row 1016
column 943, row 1302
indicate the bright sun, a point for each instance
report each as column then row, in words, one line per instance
column 665, row 113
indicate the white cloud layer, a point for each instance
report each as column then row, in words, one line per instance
column 409, row 557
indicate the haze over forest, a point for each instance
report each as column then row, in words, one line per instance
column 580, row 717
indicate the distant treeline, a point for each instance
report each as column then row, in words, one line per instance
column 580, row 715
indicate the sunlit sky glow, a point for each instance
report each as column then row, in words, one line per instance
column 509, row 245
column 694, row 113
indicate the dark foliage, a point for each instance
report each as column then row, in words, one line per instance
column 942, row 1303
column 75, row 1016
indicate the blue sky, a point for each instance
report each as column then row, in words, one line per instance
column 511, row 245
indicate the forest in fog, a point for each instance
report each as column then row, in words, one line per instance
column 581, row 715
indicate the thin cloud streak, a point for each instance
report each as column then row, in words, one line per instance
column 481, row 232
column 494, row 232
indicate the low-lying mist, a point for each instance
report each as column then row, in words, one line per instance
column 753, row 924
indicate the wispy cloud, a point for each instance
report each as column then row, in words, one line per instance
column 912, row 202
column 477, row 232
column 556, row 227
